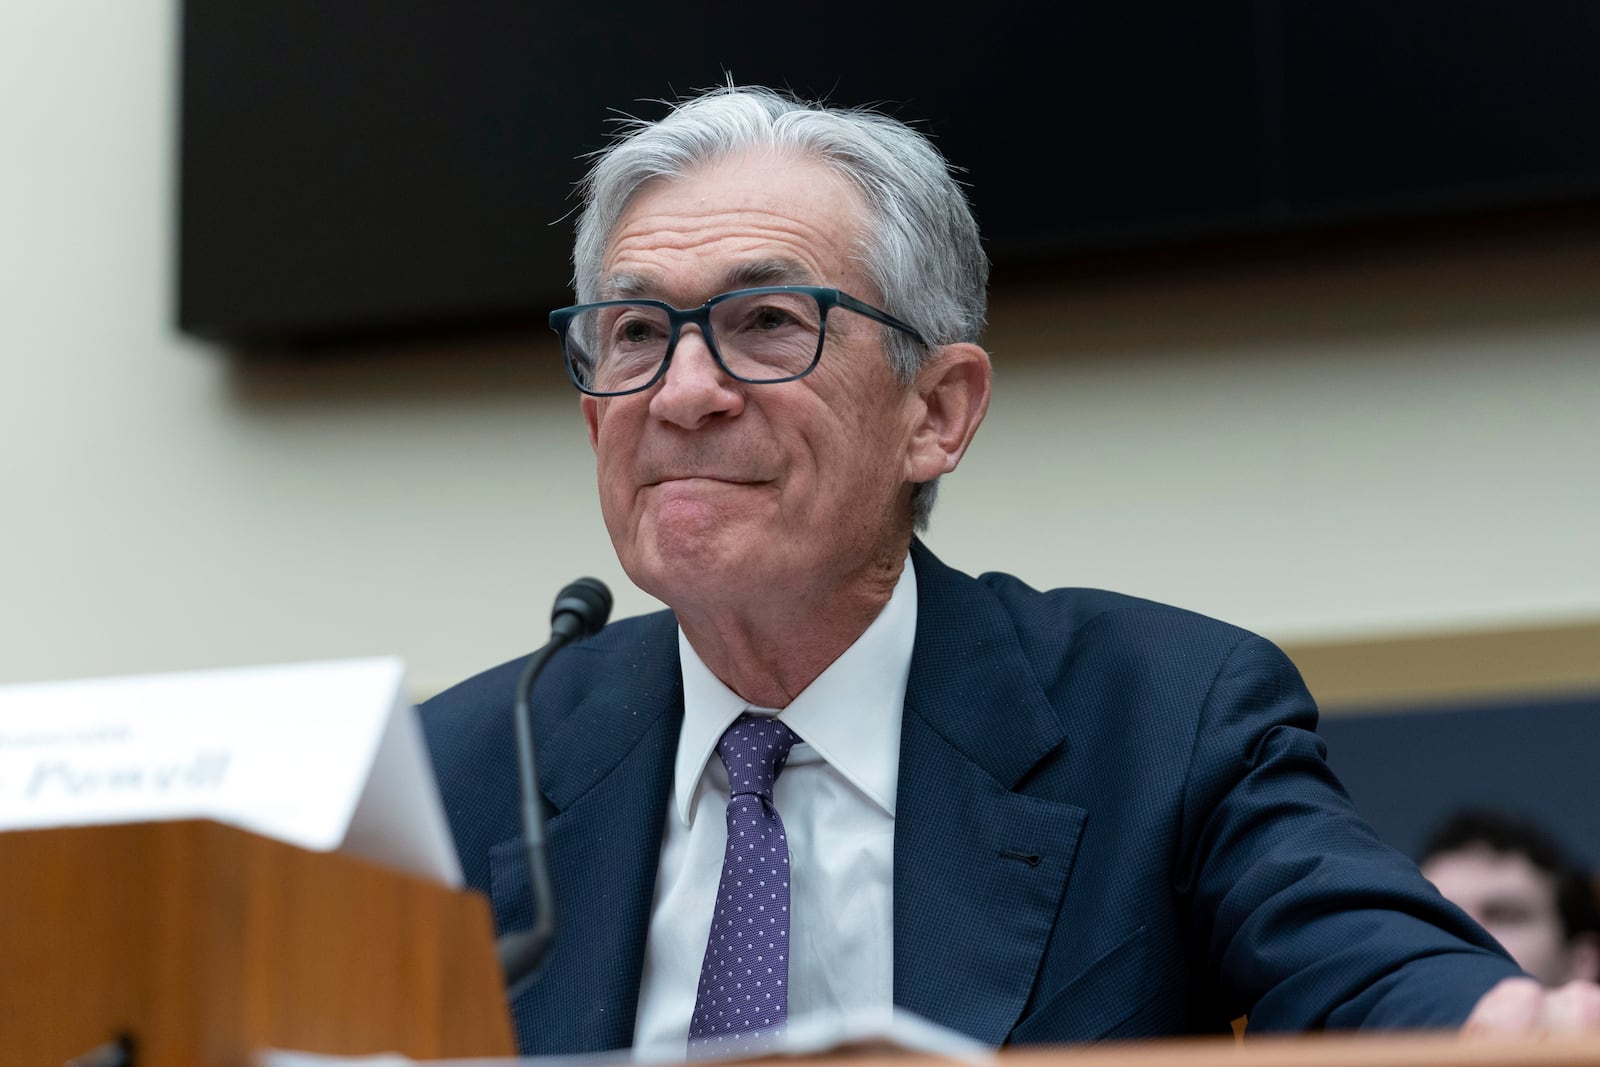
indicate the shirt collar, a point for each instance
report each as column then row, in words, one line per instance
column 850, row 714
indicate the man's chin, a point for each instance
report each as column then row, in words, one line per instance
column 682, row 570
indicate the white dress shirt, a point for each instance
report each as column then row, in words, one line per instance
column 836, row 797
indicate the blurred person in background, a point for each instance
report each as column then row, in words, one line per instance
column 1517, row 881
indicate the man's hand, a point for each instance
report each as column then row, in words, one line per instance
column 1522, row 1007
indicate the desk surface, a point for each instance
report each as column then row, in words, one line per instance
column 1332, row 1050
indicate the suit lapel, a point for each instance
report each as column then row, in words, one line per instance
column 979, row 869
column 606, row 770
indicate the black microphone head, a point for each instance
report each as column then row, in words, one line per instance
column 587, row 603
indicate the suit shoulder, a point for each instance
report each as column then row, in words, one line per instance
column 482, row 703
column 1058, row 630
column 1126, row 648
column 1086, row 611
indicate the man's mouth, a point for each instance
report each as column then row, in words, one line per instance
column 724, row 479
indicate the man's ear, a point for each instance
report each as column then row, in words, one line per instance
column 953, row 394
column 1583, row 958
column 591, row 417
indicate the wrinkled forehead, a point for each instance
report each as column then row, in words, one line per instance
column 622, row 285
column 749, row 219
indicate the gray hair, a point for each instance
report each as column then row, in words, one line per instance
column 921, row 248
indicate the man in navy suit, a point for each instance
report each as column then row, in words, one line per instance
column 1032, row 817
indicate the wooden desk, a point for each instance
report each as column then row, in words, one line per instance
column 1316, row 1050
column 1332, row 1050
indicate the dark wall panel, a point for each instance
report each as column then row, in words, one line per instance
column 374, row 165
column 1427, row 101
column 1407, row 769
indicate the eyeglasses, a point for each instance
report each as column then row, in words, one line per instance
column 762, row 336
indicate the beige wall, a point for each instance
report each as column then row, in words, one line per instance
column 1398, row 440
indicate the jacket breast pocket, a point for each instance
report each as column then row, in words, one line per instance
column 1092, row 1006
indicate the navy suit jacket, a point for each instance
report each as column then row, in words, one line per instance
column 1113, row 820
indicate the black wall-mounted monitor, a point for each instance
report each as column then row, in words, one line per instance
column 381, row 166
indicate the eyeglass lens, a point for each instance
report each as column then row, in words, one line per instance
column 761, row 337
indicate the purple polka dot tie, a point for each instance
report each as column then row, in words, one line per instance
column 744, row 981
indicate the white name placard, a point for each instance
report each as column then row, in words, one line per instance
column 327, row 756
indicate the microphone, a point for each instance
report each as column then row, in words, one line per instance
column 581, row 610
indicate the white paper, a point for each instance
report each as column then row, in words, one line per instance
column 896, row 1029
column 321, row 755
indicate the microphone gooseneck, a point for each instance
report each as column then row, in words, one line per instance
column 580, row 610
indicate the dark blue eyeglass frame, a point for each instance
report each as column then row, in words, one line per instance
column 827, row 299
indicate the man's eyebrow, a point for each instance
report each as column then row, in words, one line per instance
column 768, row 272
column 740, row 276
column 624, row 286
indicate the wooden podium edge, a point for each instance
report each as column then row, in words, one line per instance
column 206, row 942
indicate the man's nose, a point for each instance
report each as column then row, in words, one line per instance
column 695, row 388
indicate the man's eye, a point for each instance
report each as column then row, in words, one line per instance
column 770, row 318
column 635, row 332
column 1505, row 913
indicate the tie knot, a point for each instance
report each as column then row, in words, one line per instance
column 754, row 749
